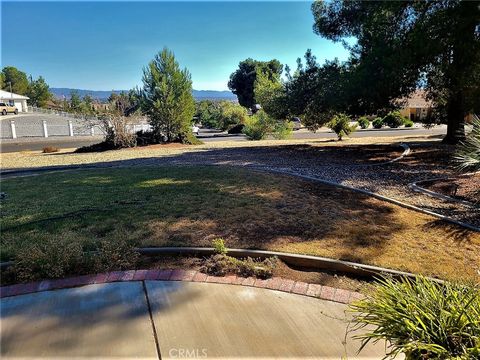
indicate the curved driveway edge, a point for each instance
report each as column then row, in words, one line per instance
column 275, row 283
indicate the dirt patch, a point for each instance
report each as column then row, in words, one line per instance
column 463, row 188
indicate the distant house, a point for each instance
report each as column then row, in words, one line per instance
column 19, row 101
column 416, row 107
column 97, row 106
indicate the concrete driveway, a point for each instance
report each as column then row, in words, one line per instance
column 171, row 320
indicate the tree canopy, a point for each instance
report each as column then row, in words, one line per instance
column 16, row 78
column 166, row 98
column 39, row 92
column 242, row 81
column 402, row 45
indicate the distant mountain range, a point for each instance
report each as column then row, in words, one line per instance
column 103, row 95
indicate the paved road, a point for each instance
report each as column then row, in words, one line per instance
column 138, row 320
column 63, row 142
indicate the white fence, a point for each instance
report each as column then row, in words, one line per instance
column 48, row 123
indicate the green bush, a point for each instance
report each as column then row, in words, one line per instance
column 363, row 122
column 219, row 246
column 340, row 124
column 282, row 130
column 377, row 123
column 422, row 319
column 394, row 119
column 257, row 126
column 408, row 123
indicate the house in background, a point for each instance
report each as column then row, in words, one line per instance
column 416, row 107
column 19, row 101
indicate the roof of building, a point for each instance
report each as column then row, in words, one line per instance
column 417, row 99
column 5, row 95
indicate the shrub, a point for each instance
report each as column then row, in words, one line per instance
column 221, row 264
column 219, row 246
column 118, row 254
column 377, row 123
column 408, row 123
column 61, row 255
column 422, row 319
column 363, row 122
column 467, row 155
column 262, row 269
column 50, row 149
column 394, row 119
column 340, row 124
column 257, row 126
column 118, row 135
column 218, row 265
column 282, row 130
column 54, row 257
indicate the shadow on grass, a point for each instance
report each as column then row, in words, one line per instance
column 188, row 206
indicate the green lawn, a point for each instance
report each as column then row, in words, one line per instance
column 185, row 206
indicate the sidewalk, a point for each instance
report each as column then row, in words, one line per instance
column 175, row 319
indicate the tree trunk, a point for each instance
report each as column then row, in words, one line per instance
column 455, row 120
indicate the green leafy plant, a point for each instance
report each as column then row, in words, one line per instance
column 394, row 119
column 467, row 155
column 363, row 122
column 219, row 246
column 421, row 318
column 377, row 123
column 282, row 130
column 408, row 123
column 257, row 126
column 340, row 124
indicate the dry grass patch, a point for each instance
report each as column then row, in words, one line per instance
column 189, row 206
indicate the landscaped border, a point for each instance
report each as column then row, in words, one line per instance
column 275, row 283
column 416, row 187
column 305, row 261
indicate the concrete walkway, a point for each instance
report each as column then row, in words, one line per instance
column 175, row 319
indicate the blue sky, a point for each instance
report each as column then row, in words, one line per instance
column 104, row 45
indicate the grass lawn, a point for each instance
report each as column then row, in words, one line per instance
column 183, row 206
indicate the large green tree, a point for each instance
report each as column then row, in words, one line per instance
column 38, row 92
column 404, row 44
column 242, row 81
column 316, row 92
column 167, row 98
column 15, row 80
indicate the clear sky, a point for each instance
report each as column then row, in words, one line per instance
column 104, row 45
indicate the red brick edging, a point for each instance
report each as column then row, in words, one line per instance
column 275, row 283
